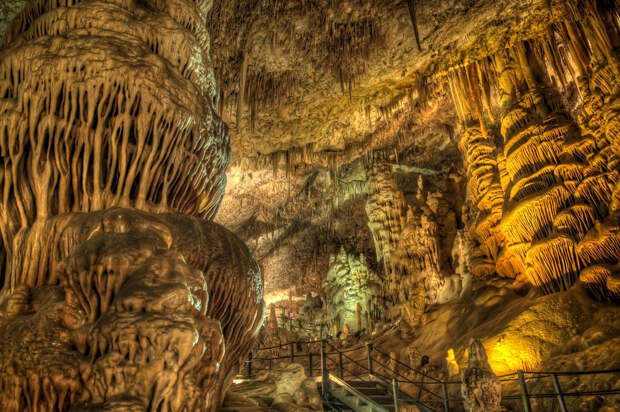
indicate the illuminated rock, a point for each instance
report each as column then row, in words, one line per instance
column 120, row 295
column 483, row 172
column 481, row 389
column 142, row 302
column 349, row 284
column 408, row 243
column 285, row 388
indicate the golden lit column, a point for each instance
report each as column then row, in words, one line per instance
column 539, row 174
column 599, row 244
column 483, row 183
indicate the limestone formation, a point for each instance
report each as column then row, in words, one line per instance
column 551, row 179
column 284, row 388
column 118, row 293
column 411, row 174
column 349, row 289
column 483, row 174
column 481, row 389
column 409, row 244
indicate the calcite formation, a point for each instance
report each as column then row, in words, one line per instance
column 118, row 293
column 140, row 315
column 544, row 186
column 351, row 292
column 481, row 389
column 284, row 388
column 408, row 242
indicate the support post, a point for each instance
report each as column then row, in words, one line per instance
column 292, row 345
column 324, row 372
column 524, row 395
column 369, row 356
column 309, row 361
column 558, row 392
column 396, row 394
column 340, row 365
column 250, row 365
column 446, row 401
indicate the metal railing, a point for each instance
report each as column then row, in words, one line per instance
column 322, row 357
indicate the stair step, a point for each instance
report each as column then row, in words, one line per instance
column 362, row 384
column 371, row 391
column 382, row 399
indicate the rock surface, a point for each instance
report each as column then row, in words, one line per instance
column 285, row 388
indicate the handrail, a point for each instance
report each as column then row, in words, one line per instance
column 388, row 379
column 407, row 366
column 420, row 385
column 595, row 372
column 357, row 393
column 405, row 380
column 435, row 380
column 522, row 377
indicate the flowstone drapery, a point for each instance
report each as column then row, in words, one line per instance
column 544, row 177
column 118, row 293
column 409, row 243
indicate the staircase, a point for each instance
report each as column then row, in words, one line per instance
column 361, row 396
column 366, row 395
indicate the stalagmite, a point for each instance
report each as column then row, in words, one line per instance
column 481, row 389
column 407, row 242
column 553, row 178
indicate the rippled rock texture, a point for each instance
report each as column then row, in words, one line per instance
column 544, row 176
column 118, row 293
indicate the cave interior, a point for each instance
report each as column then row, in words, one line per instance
column 223, row 205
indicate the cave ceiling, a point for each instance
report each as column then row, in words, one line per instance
column 355, row 76
column 328, row 77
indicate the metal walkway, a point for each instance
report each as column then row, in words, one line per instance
column 350, row 383
column 369, row 395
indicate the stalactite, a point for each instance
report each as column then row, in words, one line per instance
column 341, row 40
column 113, row 161
column 558, row 176
column 414, row 21
column 243, row 78
column 553, row 178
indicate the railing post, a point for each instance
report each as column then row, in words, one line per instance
column 524, row 395
column 340, row 365
column 324, row 372
column 369, row 350
column 292, row 345
column 558, row 392
column 396, row 395
column 446, row 401
column 250, row 365
column 309, row 361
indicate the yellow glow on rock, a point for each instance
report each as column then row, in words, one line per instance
column 453, row 366
column 509, row 355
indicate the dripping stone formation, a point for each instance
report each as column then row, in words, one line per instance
column 119, row 293
column 198, row 197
